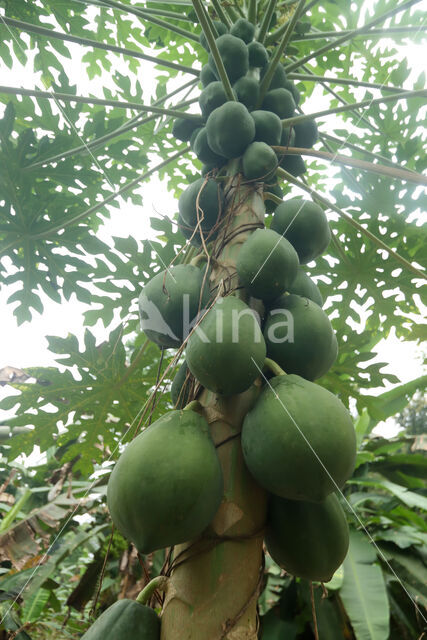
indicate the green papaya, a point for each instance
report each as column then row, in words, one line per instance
column 305, row 225
column 302, row 27
column 207, row 168
column 279, row 78
column 298, row 335
column 234, row 55
column 125, row 619
column 230, row 129
column 270, row 205
column 181, row 387
column 280, row 102
column 183, row 128
column 268, row 127
column 212, row 97
column 167, row 485
column 309, row 540
column 227, row 350
column 203, row 201
column 203, row 151
column 189, row 232
column 287, row 137
column 258, row 55
column 243, row 29
column 266, row 264
column 221, row 29
column 306, row 134
column 194, row 136
column 303, row 285
column 258, row 161
column 298, row 440
column 207, row 75
column 290, row 86
column 294, row 165
column 271, row 179
column 247, row 91
column 169, row 301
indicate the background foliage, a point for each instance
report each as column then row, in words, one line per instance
column 60, row 172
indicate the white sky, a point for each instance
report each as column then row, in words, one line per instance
column 26, row 346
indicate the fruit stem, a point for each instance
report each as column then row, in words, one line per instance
column 221, row 13
column 274, row 367
column 279, row 50
column 198, row 259
column 194, row 405
column 266, row 21
column 208, row 27
column 155, row 584
column 253, row 9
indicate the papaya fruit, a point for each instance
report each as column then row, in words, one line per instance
column 167, row 484
column 125, row 619
column 258, row 55
column 302, row 26
column 227, row 350
column 298, row 335
column 270, row 205
column 221, row 29
column 305, row 225
column 294, row 165
column 308, row 539
column 268, row 127
column 247, row 91
column 202, row 201
column 304, row 286
column 266, row 264
column 258, row 161
column 271, row 179
column 306, row 134
column 234, row 55
column 287, row 137
column 298, row 440
column 181, row 387
column 279, row 78
column 194, row 136
column 188, row 231
column 290, row 86
column 207, row 76
column 183, row 128
column 211, row 97
column 203, row 151
column 279, row 101
column 230, row 129
column 168, row 300
column 243, row 29
column 207, row 168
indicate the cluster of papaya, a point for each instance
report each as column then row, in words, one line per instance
column 248, row 126
column 298, row 439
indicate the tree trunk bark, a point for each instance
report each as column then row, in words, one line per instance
column 214, row 586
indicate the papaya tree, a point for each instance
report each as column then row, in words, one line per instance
column 290, row 135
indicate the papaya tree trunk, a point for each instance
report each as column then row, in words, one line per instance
column 215, row 581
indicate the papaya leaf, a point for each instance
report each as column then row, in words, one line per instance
column 391, row 402
column 363, row 592
column 410, row 498
column 409, row 568
column 35, row 605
